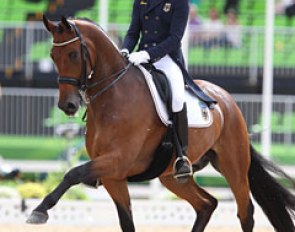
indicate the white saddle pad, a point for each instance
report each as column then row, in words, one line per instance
column 199, row 115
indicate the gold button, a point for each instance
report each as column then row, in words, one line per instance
column 156, row 32
column 157, row 17
column 154, row 44
column 146, row 17
column 145, row 45
column 146, row 31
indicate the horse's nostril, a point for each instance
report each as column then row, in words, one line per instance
column 71, row 106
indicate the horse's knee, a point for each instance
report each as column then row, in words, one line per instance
column 77, row 174
column 72, row 176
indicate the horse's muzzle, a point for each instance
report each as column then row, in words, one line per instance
column 70, row 108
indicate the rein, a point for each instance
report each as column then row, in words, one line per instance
column 82, row 82
column 118, row 76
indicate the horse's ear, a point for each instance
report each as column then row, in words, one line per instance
column 48, row 24
column 66, row 23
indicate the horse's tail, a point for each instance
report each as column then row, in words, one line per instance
column 276, row 201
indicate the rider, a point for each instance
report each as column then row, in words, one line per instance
column 160, row 25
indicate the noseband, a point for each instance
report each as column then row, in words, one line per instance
column 81, row 83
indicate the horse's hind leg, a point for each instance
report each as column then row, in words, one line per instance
column 118, row 190
column 233, row 163
column 203, row 203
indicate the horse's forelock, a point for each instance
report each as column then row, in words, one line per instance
column 60, row 29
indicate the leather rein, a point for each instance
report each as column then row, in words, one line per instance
column 81, row 83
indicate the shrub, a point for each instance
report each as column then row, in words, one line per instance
column 32, row 190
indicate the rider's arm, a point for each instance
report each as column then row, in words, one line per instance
column 178, row 24
column 132, row 36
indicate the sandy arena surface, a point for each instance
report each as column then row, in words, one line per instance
column 53, row 228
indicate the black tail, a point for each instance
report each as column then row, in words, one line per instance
column 276, row 201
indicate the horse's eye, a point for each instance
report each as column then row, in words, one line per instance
column 73, row 55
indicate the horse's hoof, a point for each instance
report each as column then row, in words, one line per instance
column 37, row 218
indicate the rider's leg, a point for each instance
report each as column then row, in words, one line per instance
column 182, row 166
column 174, row 75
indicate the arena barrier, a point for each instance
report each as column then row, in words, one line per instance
column 32, row 107
column 145, row 212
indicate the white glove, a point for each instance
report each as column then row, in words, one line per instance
column 137, row 58
column 125, row 52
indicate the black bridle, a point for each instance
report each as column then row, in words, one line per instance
column 81, row 83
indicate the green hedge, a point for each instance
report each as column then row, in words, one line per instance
column 32, row 148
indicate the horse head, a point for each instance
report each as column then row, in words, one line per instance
column 79, row 65
column 66, row 56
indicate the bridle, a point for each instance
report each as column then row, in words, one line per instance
column 81, row 83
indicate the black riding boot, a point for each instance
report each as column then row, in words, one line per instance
column 182, row 165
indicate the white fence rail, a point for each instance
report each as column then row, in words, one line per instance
column 24, row 112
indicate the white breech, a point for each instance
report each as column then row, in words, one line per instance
column 175, row 77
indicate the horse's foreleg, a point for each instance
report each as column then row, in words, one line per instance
column 79, row 174
column 118, row 190
column 203, row 203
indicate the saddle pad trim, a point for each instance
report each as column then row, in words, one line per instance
column 195, row 107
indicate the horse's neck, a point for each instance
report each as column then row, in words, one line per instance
column 105, row 103
column 108, row 63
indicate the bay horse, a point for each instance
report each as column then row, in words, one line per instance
column 123, row 132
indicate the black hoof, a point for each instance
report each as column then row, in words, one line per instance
column 37, row 218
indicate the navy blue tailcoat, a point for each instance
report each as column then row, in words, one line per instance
column 158, row 26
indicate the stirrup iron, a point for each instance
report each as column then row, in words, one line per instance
column 184, row 159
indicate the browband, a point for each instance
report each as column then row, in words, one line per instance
column 66, row 42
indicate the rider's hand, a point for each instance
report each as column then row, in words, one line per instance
column 137, row 58
column 125, row 53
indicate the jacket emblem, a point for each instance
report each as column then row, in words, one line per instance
column 167, row 7
column 143, row 3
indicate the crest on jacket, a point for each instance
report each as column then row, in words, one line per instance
column 167, row 7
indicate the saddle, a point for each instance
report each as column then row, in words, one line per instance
column 162, row 85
